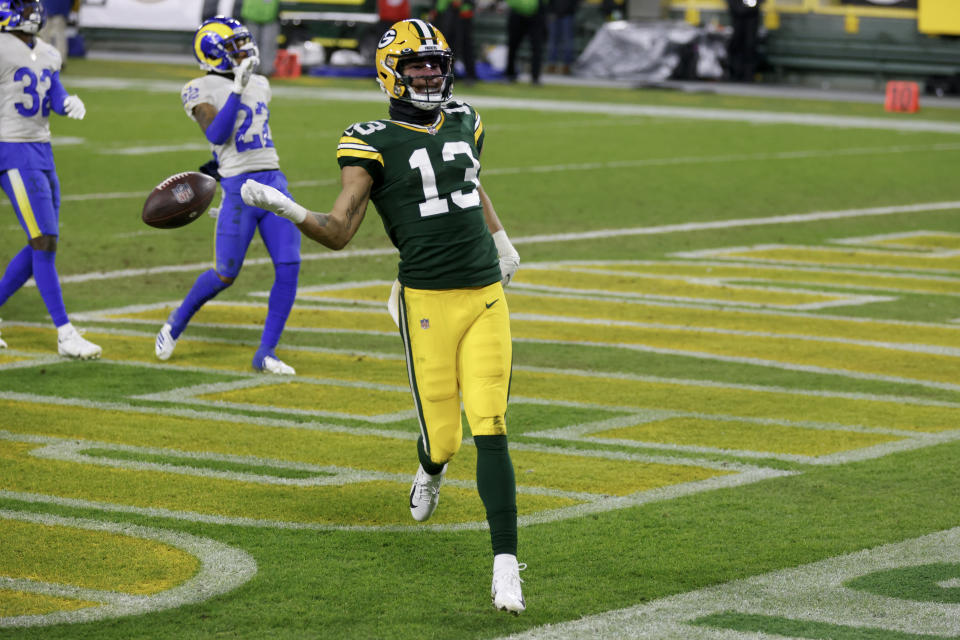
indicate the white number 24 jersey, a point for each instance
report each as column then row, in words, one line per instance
column 25, row 78
column 250, row 146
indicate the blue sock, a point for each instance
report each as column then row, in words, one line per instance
column 17, row 273
column 48, row 282
column 282, row 295
column 207, row 286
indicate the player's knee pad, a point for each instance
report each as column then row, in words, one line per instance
column 224, row 280
column 442, row 450
column 287, row 273
column 436, row 384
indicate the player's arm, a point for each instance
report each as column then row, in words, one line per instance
column 217, row 125
column 509, row 258
column 334, row 229
column 63, row 103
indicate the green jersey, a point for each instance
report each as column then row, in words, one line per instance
column 425, row 180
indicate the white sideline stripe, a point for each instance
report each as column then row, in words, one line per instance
column 222, row 569
column 140, row 151
column 811, row 592
column 606, row 109
column 561, row 237
column 595, row 166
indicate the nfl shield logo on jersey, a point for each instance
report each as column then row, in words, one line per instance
column 182, row 193
column 424, row 323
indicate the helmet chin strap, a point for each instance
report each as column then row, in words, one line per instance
column 407, row 112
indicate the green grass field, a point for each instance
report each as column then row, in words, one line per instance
column 734, row 409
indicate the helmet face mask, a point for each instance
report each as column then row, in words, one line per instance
column 221, row 43
column 26, row 16
column 415, row 42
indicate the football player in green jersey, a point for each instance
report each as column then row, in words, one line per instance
column 421, row 167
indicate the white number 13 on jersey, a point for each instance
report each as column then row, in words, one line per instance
column 433, row 203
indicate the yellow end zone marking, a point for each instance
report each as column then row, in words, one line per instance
column 678, row 289
column 914, row 240
column 745, row 436
column 374, row 502
column 90, row 559
column 17, row 603
column 939, row 262
column 720, row 273
column 6, row 357
column 551, row 479
column 856, row 347
column 107, row 553
column 252, row 315
column 778, row 405
column 323, row 399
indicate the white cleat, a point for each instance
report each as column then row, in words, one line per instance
column 425, row 493
column 3, row 345
column 505, row 590
column 277, row 367
column 166, row 343
column 72, row 345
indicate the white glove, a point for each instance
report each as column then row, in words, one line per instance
column 509, row 258
column 242, row 73
column 73, row 107
column 266, row 197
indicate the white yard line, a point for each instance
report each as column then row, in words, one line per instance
column 687, row 227
column 562, row 106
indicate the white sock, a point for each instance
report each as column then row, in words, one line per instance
column 505, row 561
column 65, row 330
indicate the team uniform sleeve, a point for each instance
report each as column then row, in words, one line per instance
column 478, row 133
column 192, row 94
column 353, row 151
column 57, row 94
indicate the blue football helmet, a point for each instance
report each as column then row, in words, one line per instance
column 27, row 16
column 221, row 43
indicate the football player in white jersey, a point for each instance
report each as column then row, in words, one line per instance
column 230, row 103
column 30, row 89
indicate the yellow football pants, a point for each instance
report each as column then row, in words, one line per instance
column 457, row 343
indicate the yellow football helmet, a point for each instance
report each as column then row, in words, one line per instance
column 404, row 42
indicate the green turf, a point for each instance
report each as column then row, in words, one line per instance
column 548, row 172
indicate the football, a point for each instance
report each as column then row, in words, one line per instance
column 179, row 200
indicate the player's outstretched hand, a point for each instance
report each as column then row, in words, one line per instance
column 73, row 107
column 266, row 197
column 509, row 258
column 242, row 73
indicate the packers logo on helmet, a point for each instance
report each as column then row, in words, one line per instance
column 221, row 43
column 27, row 16
column 408, row 41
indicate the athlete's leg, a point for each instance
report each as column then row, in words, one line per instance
column 428, row 325
column 485, row 364
column 18, row 271
column 235, row 228
column 35, row 196
column 282, row 239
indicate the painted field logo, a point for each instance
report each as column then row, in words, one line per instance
column 907, row 589
column 184, row 569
